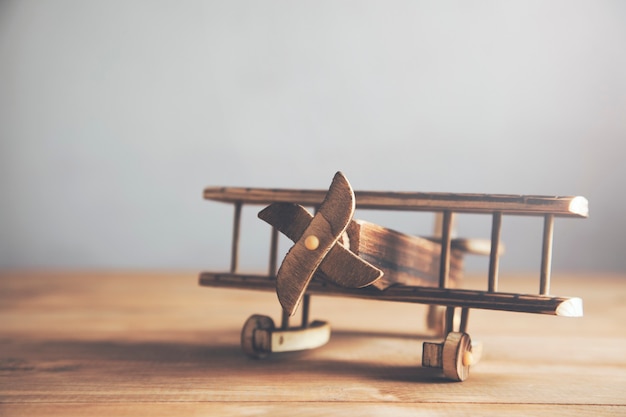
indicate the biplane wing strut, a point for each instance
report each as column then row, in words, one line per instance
column 316, row 244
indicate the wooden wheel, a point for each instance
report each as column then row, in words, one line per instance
column 253, row 342
column 457, row 356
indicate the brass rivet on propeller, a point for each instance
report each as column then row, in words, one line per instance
column 311, row 242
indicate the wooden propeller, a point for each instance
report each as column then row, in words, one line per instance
column 316, row 247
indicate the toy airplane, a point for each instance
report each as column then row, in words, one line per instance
column 334, row 254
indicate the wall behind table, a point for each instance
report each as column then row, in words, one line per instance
column 115, row 115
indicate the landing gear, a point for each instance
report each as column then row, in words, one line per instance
column 456, row 353
column 260, row 337
column 454, row 356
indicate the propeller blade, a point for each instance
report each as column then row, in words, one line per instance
column 340, row 266
column 318, row 238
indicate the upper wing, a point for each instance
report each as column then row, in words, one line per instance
column 560, row 206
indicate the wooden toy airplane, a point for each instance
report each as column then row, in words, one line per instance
column 334, row 254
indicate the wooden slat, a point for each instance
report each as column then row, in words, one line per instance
column 546, row 254
column 525, row 303
column 415, row 260
column 567, row 206
column 444, row 261
column 494, row 258
column 234, row 250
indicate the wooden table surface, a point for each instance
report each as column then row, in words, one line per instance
column 104, row 343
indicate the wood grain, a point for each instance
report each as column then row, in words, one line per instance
column 340, row 265
column 103, row 343
column 404, row 259
column 326, row 227
column 500, row 301
column 566, row 206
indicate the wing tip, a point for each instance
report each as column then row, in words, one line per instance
column 572, row 307
column 580, row 206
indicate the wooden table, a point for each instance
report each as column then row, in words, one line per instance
column 94, row 343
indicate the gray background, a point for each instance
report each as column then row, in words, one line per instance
column 114, row 115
